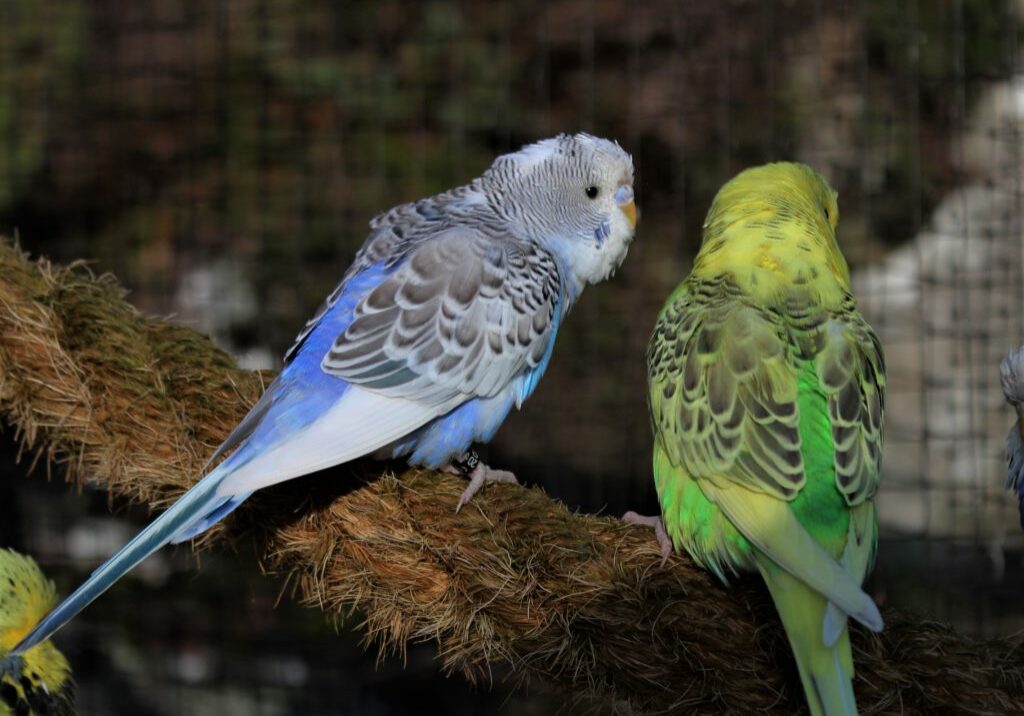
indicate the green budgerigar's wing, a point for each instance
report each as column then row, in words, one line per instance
column 727, row 379
column 724, row 389
column 723, row 392
column 851, row 371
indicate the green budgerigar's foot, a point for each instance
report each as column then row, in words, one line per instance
column 655, row 523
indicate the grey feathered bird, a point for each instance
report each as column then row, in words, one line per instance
column 1011, row 373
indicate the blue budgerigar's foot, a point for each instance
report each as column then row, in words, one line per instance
column 479, row 476
column 655, row 523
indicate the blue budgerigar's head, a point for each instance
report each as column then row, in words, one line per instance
column 573, row 194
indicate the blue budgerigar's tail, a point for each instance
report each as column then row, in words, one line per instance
column 201, row 506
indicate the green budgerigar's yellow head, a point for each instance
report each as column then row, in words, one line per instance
column 772, row 227
column 38, row 682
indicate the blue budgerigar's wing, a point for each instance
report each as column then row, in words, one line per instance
column 394, row 235
column 464, row 315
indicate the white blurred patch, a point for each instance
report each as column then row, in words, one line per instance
column 948, row 306
column 216, row 299
column 91, row 541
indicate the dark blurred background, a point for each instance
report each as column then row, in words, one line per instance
column 223, row 160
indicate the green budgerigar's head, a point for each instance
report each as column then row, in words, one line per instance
column 775, row 224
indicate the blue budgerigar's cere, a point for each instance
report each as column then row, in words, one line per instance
column 445, row 321
column 1011, row 374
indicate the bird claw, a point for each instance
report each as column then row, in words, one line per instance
column 482, row 475
column 654, row 522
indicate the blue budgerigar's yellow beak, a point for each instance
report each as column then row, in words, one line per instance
column 624, row 198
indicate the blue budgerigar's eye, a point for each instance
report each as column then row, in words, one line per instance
column 591, row 192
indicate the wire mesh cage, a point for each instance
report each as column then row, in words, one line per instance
column 223, row 160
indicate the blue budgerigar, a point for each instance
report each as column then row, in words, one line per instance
column 444, row 322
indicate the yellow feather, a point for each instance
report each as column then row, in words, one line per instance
column 42, row 675
column 773, row 227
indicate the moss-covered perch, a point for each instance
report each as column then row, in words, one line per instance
column 134, row 405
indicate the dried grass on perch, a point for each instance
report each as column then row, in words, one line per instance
column 133, row 405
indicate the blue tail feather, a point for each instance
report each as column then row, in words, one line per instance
column 226, row 506
column 199, row 505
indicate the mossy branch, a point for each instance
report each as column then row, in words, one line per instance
column 133, row 405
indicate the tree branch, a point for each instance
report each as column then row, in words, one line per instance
column 133, row 405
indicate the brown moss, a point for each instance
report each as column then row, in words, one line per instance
column 133, row 405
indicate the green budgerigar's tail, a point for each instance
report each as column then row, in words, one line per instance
column 826, row 671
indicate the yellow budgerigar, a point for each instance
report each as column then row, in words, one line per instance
column 766, row 392
column 38, row 681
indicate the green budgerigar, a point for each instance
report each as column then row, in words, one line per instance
column 766, row 392
column 38, row 682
